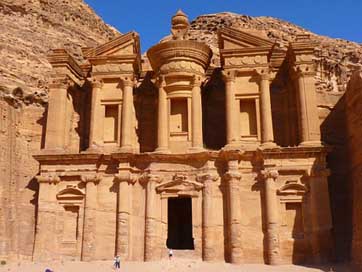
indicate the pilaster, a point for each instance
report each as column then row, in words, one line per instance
column 123, row 243
column 162, row 124
column 90, row 217
column 151, row 222
column 57, row 115
column 45, row 249
column 197, row 140
column 267, row 134
column 209, row 252
column 127, row 118
column 271, row 214
column 96, row 116
column 232, row 178
column 232, row 122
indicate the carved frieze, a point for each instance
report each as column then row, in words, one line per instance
column 246, row 61
column 113, row 67
column 182, row 66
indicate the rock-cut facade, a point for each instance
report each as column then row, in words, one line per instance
column 219, row 158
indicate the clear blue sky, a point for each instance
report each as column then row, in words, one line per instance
column 151, row 18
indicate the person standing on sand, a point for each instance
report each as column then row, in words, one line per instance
column 170, row 253
column 117, row 263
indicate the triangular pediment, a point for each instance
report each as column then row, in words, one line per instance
column 127, row 44
column 230, row 38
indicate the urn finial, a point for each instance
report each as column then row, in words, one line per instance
column 180, row 25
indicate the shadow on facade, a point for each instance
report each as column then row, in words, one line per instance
column 333, row 130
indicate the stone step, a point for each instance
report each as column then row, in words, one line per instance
column 184, row 254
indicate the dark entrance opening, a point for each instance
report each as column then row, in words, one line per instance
column 180, row 224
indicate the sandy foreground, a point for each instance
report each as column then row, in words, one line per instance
column 177, row 265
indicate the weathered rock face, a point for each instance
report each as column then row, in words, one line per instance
column 28, row 31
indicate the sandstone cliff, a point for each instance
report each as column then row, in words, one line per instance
column 29, row 29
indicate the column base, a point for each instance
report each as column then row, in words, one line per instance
column 310, row 143
column 195, row 150
column 126, row 149
column 233, row 146
column 269, row 145
column 94, row 149
column 162, row 150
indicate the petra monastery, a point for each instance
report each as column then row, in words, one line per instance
column 226, row 162
column 219, row 157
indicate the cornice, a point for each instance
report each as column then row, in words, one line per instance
column 120, row 40
column 224, row 154
column 60, row 58
column 179, row 50
column 244, row 39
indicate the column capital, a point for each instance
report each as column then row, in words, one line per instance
column 95, row 178
column 204, row 177
column 232, row 175
column 270, row 174
column 197, row 81
column 51, row 179
column 145, row 178
column 229, row 75
column 96, row 83
column 263, row 73
column 63, row 82
column 305, row 69
column 160, row 81
column 128, row 81
column 125, row 177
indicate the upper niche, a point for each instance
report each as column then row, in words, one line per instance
column 235, row 39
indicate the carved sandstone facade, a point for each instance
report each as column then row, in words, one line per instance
column 170, row 151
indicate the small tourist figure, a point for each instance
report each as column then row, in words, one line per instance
column 117, row 262
column 170, row 253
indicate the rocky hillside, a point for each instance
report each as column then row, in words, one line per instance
column 336, row 58
column 29, row 29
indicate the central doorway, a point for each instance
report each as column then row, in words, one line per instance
column 179, row 234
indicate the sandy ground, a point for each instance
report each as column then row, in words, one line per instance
column 177, row 265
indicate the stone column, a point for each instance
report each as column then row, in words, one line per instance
column 271, row 214
column 123, row 217
column 57, row 116
column 308, row 111
column 127, row 105
column 96, row 116
column 232, row 126
column 90, row 217
column 45, row 248
column 208, row 247
column 233, row 178
column 267, row 134
column 162, row 126
column 151, row 224
column 197, row 141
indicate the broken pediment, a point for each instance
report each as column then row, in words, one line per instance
column 293, row 188
column 127, row 44
column 230, row 38
column 70, row 196
column 179, row 185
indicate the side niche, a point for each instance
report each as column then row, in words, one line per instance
column 294, row 219
column 72, row 201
